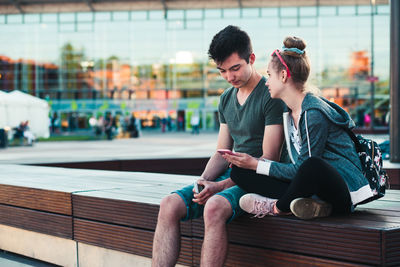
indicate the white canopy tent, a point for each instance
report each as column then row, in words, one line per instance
column 18, row 107
column 3, row 111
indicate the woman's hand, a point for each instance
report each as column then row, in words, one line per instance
column 242, row 160
column 210, row 189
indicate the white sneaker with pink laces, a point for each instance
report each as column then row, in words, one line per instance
column 257, row 205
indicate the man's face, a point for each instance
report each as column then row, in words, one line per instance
column 236, row 70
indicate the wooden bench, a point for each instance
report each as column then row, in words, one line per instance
column 191, row 166
column 118, row 211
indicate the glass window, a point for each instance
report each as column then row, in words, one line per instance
column 383, row 9
column 308, row 11
column 250, row 12
column 102, row 16
column 289, row 22
column 49, row 17
column 288, row 12
column 85, row 17
column 120, row 16
column 194, row 24
column 67, row 17
column 85, row 27
column 175, row 24
column 66, row 27
column 14, row 19
column 308, row 22
column 143, row 53
column 347, row 10
column 175, row 14
column 139, row 15
column 194, row 14
column 269, row 12
column 231, row 13
column 213, row 13
column 156, row 14
column 32, row 18
column 364, row 10
column 328, row 11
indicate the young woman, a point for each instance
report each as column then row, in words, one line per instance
column 324, row 174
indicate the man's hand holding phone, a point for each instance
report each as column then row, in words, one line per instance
column 205, row 189
column 197, row 187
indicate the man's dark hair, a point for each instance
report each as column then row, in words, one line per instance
column 228, row 41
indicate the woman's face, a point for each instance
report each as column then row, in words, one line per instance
column 274, row 82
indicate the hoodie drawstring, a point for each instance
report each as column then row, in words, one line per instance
column 308, row 138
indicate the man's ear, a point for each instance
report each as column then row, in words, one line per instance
column 252, row 58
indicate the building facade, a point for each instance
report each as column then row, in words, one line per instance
column 153, row 61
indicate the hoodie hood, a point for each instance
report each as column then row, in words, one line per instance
column 332, row 111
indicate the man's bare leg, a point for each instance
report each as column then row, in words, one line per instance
column 166, row 243
column 215, row 245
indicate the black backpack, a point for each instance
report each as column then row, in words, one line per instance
column 370, row 156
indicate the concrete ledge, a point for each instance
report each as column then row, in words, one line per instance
column 93, row 256
column 39, row 246
column 65, row 252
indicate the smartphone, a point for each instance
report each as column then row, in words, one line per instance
column 197, row 187
column 223, row 151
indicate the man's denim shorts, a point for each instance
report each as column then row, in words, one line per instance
column 194, row 210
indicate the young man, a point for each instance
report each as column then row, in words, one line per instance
column 251, row 122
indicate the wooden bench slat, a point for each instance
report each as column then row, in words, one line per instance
column 126, row 239
column 239, row 255
column 38, row 221
column 293, row 236
column 38, row 199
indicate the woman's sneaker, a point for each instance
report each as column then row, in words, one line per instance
column 308, row 208
column 257, row 205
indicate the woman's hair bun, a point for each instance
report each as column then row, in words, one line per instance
column 294, row 42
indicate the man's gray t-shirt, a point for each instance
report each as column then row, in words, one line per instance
column 246, row 122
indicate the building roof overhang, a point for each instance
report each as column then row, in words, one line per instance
column 61, row 6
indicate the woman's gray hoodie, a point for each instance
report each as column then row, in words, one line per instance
column 322, row 135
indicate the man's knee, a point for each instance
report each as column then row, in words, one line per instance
column 217, row 210
column 172, row 208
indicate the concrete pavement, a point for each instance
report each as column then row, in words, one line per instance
column 148, row 146
column 8, row 259
column 151, row 145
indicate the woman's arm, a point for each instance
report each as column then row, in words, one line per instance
column 313, row 137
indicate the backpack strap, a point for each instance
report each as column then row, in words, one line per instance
column 354, row 138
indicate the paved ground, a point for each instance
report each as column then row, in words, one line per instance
column 8, row 259
column 150, row 145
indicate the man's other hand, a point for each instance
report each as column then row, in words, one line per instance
column 210, row 189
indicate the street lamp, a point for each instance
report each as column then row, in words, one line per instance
column 372, row 78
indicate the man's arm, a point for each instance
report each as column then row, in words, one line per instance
column 272, row 142
column 217, row 164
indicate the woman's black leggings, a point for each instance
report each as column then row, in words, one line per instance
column 314, row 177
